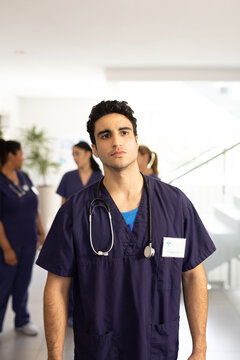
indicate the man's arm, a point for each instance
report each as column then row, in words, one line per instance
column 196, row 304
column 55, row 314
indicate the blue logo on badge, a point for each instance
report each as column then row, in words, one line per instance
column 168, row 243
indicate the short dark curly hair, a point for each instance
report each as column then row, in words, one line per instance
column 109, row 107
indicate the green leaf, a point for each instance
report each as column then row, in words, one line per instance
column 37, row 147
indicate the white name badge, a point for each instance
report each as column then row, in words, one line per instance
column 35, row 190
column 173, row 247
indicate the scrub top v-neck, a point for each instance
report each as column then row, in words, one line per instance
column 130, row 217
column 71, row 183
column 127, row 305
column 131, row 239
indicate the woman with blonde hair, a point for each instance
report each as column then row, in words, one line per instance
column 148, row 161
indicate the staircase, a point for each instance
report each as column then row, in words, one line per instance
column 224, row 229
column 212, row 182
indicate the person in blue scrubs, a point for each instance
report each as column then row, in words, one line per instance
column 148, row 161
column 87, row 173
column 20, row 226
column 127, row 296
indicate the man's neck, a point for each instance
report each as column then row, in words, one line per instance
column 125, row 187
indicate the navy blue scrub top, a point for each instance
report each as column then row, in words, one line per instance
column 154, row 176
column 18, row 214
column 71, row 183
column 127, row 306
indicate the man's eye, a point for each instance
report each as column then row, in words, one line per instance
column 105, row 136
column 124, row 132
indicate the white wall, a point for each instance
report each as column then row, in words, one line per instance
column 65, row 122
column 9, row 108
column 61, row 117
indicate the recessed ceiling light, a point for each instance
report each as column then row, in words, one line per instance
column 19, row 52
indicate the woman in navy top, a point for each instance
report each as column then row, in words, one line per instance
column 73, row 181
column 87, row 173
column 20, row 225
column 148, row 162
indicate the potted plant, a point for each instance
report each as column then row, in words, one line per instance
column 37, row 154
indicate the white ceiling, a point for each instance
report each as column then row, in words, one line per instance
column 71, row 43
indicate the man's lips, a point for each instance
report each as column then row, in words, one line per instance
column 118, row 153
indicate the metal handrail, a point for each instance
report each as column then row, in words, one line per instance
column 193, row 159
column 223, row 152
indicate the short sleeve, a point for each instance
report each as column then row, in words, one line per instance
column 61, row 190
column 57, row 254
column 199, row 245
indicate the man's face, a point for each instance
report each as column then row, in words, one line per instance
column 116, row 144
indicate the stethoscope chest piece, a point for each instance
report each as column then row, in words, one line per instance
column 149, row 251
column 25, row 187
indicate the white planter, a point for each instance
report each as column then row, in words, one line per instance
column 48, row 205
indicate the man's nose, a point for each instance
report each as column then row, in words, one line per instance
column 116, row 140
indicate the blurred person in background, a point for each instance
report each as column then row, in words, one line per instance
column 147, row 161
column 87, row 173
column 20, row 231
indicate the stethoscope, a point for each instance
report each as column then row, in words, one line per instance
column 149, row 251
column 21, row 191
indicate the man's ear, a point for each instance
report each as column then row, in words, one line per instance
column 136, row 137
column 94, row 149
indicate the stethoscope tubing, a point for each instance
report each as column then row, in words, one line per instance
column 99, row 252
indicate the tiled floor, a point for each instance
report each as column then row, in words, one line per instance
column 223, row 328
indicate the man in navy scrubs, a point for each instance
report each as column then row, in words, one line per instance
column 126, row 304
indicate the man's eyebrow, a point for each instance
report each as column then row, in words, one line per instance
column 107, row 131
column 103, row 132
column 125, row 128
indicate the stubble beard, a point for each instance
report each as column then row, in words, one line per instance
column 120, row 167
